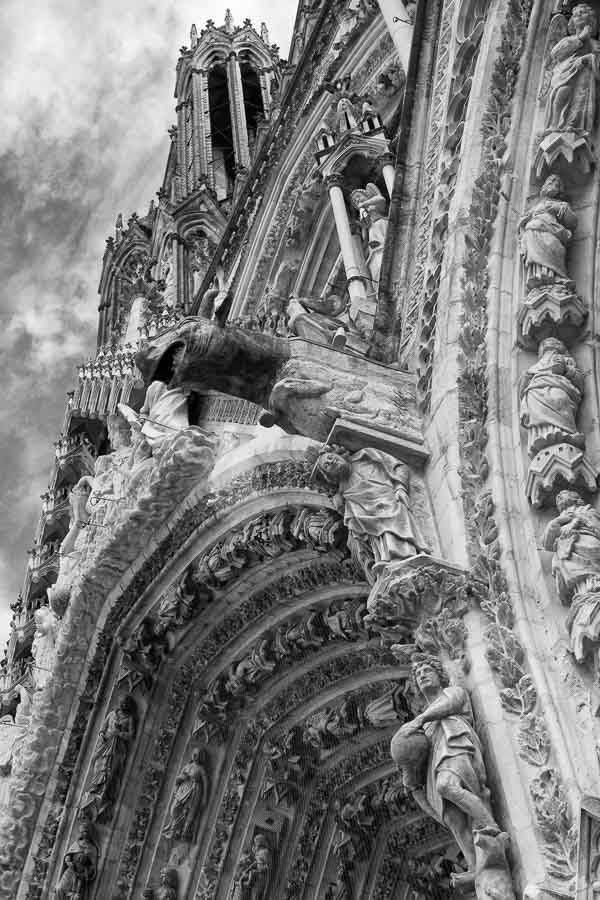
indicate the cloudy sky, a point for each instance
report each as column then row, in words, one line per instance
column 86, row 98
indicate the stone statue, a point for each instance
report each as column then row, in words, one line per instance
column 575, row 60
column 371, row 206
column 551, row 392
column 572, row 71
column 441, row 739
column 191, row 795
column 320, row 319
column 111, row 473
column 145, row 650
column 574, row 537
column 80, row 867
column 169, row 885
column 14, row 725
column 372, row 491
column 72, row 546
column 44, row 649
column 110, row 759
column 545, row 234
column 255, row 873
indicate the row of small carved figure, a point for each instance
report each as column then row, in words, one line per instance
column 552, row 317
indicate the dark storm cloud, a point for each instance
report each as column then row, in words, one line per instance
column 85, row 103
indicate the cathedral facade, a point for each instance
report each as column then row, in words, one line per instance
column 313, row 608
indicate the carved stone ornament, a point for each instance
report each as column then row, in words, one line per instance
column 372, row 492
column 409, row 592
column 554, row 821
column 551, row 306
column 557, row 467
column 440, row 757
column 569, row 90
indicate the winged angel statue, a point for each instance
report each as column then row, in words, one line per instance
column 570, row 89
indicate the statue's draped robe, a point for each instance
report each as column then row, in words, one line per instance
column 455, row 748
column 572, row 99
column 372, row 511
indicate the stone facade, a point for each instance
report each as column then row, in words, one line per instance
column 313, row 610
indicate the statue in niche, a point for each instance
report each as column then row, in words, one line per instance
column 201, row 251
column 255, row 872
column 169, row 885
column 572, row 70
column 110, row 759
column 167, row 276
column 190, row 798
column 372, row 492
column 44, row 646
column 574, row 538
column 575, row 60
column 551, row 392
column 145, row 650
column 80, row 867
column 372, row 206
column 441, row 747
column 546, row 231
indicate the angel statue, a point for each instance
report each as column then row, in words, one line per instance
column 371, row 206
column 573, row 61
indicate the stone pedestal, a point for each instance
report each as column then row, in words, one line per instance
column 556, row 468
column 412, row 590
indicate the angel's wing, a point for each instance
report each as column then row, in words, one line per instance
column 557, row 30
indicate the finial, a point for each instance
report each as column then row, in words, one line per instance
column 264, row 33
column 193, row 37
column 228, row 21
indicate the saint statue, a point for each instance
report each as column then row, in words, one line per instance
column 256, row 871
column 44, row 646
column 81, row 863
column 111, row 473
column 110, row 758
column 551, row 392
column 169, row 883
column 545, row 233
column 575, row 60
column 372, row 206
column 191, row 795
column 372, row 491
column 442, row 737
column 574, row 537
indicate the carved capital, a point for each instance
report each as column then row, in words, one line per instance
column 334, row 180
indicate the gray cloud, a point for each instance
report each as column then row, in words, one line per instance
column 86, row 97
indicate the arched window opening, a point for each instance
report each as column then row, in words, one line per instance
column 223, row 153
column 253, row 103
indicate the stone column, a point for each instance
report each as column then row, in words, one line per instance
column 201, row 121
column 237, row 112
column 388, row 170
column 352, row 267
column 399, row 26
